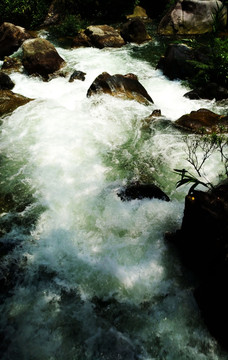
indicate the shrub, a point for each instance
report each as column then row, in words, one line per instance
column 70, row 26
column 215, row 67
column 27, row 13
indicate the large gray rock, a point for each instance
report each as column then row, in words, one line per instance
column 11, row 38
column 40, row 57
column 192, row 17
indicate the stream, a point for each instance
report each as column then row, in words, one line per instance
column 93, row 277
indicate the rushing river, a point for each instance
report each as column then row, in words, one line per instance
column 93, row 277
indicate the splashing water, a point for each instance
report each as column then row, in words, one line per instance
column 92, row 276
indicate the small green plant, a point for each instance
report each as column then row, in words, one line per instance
column 219, row 17
column 187, row 178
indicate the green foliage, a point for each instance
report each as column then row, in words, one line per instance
column 31, row 13
column 70, row 26
column 215, row 67
column 28, row 13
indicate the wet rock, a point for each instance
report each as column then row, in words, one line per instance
column 102, row 36
column 10, row 101
column 176, row 64
column 81, row 40
column 149, row 119
column 209, row 91
column 40, row 57
column 126, row 86
column 5, row 82
column 12, row 65
column 142, row 191
column 11, row 38
column 202, row 242
column 192, row 17
column 202, row 121
column 77, row 75
column 135, row 31
column 59, row 73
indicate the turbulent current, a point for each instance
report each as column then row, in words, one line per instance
column 91, row 277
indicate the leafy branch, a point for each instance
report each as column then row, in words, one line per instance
column 187, row 178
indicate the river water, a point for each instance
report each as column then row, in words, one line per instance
column 92, row 276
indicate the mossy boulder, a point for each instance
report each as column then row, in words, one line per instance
column 40, row 57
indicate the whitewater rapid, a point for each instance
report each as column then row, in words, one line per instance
column 95, row 278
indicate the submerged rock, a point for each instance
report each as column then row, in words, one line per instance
column 10, row 101
column 156, row 114
column 11, row 38
column 77, row 75
column 142, row 191
column 126, row 86
column 5, row 82
column 40, row 57
column 203, row 120
column 192, row 17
